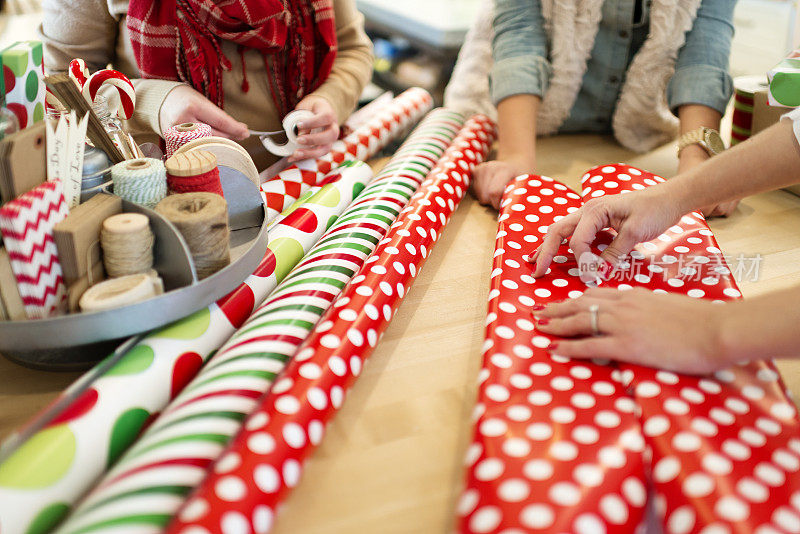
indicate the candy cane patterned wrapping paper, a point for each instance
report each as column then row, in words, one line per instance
column 403, row 111
column 726, row 448
column 48, row 473
column 535, row 492
column 148, row 484
column 292, row 418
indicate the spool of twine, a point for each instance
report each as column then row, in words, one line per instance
column 142, row 181
column 179, row 135
column 195, row 171
column 127, row 243
column 202, row 220
column 122, row 291
column 744, row 90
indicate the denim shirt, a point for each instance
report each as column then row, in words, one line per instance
column 521, row 65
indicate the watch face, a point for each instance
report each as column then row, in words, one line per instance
column 714, row 141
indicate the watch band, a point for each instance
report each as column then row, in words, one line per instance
column 700, row 137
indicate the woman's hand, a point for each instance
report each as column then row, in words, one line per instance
column 670, row 332
column 318, row 133
column 637, row 217
column 184, row 104
column 490, row 179
column 693, row 156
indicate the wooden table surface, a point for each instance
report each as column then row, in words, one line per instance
column 391, row 460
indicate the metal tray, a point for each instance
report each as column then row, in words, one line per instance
column 76, row 341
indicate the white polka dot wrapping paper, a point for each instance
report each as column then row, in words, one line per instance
column 266, row 459
column 27, row 224
column 148, row 483
column 403, row 111
column 571, row 446
column 101, row 423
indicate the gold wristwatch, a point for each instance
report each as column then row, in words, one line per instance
column 708, row 138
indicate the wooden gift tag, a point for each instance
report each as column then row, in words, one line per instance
column 78, row 235
column 12, row 302
column 23, row 161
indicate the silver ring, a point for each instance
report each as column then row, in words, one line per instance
column 594, row 310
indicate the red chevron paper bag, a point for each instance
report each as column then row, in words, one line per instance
column 27, row 226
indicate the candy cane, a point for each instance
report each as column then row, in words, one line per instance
column 127, row 95
column 78, row 72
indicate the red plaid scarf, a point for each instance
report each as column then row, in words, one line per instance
column 180, row 40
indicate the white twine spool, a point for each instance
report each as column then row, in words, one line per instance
column 142, row 181
column 116, row 292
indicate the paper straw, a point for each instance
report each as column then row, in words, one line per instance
column 146, row 486
column 402, row 112
column 292, row 417
column 726, row 447
column 557, row 445
column 41, row 480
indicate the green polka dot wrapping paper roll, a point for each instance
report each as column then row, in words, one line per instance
column 147, row 485
column 572, row 446
column 265, row 460
column 784, row 82
column 23, row 80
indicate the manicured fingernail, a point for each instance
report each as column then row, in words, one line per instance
column 538, row 307
column 543, row 321
column 552, row 346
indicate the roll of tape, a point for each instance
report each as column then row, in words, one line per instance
column 122, row 291
column 290, row 123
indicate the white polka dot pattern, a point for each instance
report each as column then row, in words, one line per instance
column 328, row 362
column 736, row 429
column 699, row 438
column 551, row 426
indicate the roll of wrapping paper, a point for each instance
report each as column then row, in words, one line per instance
column 100, row 424
column 725, row 447
column 146, row 486
column 48, row 473
column 406, row 109
column 557, row 445
column 744, row 90
column 179, row 135
column 292, row 417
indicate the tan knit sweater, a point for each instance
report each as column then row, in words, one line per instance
column 95, row 31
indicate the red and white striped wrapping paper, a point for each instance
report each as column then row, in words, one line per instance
column 26, row 224
column 726, row 448
column 403, row 111
column 698, row 438
column 293, row 416
column 557, row 444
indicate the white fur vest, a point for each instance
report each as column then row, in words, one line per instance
column 642, row 119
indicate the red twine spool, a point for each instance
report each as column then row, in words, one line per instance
column 195, row 171
column 207, row 182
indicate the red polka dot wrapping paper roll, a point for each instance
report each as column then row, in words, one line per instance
column 557, row 446
column 147, row 485
column 403, row 111
column 725, row 447
column 290, row 421
column 504, row 491
column 48, row 473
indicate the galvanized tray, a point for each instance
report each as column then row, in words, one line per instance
column 78, row 340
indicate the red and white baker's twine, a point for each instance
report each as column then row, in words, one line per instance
column 565, row 445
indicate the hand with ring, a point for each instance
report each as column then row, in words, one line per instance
column 672, row 332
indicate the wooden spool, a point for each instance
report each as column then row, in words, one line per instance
column 191, row 163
